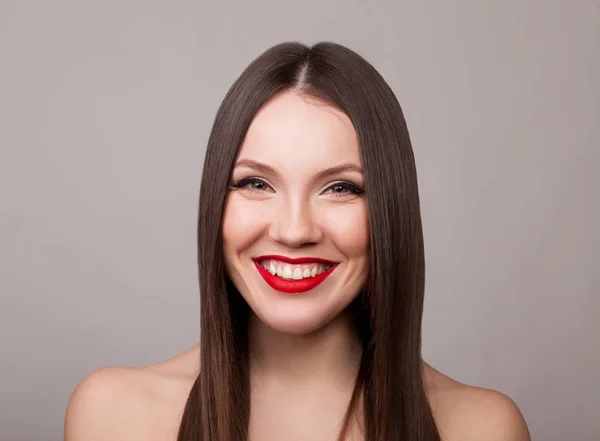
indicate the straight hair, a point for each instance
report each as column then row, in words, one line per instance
column 388, row 311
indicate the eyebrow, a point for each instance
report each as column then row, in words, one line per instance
column 267, row 169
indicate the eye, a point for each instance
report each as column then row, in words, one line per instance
column 341, row 189
column 252, row 184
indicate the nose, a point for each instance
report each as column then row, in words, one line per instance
column 294, row 224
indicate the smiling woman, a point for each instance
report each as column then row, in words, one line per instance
column 309, row 212
column 311, row 273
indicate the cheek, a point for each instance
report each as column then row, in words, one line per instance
column 349, row 229
column 230, row 227
column 242, row 221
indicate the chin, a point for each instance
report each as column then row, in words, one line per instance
column 294, row 322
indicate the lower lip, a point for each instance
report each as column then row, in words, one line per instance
column 292, row 286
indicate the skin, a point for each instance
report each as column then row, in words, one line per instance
column 300, row 389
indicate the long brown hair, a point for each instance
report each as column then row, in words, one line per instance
column 388, row 311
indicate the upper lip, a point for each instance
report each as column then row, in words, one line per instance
column 296, row 260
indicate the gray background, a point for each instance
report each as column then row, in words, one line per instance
column 105, row 110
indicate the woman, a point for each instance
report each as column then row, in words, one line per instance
column 311, row 272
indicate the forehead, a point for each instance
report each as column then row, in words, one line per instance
column 289, row 126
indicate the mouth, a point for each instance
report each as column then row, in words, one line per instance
column 293, row 276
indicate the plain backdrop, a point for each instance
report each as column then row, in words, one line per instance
column 105, row 111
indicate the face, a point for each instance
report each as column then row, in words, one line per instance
column 295, row 228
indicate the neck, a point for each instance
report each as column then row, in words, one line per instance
column 327, row 356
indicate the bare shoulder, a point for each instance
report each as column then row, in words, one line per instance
column 122, row 403
column 469, row 413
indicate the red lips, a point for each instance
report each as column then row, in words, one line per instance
column 293, row 286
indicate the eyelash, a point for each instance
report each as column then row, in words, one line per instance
column 353, row 188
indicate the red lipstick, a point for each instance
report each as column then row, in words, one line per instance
column 293, row 286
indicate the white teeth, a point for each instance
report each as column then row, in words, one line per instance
column 293, row 272
column 287, row 272
column 297, row 274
